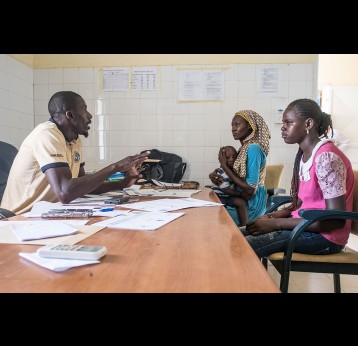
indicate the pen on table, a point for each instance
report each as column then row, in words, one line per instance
column 107, row 209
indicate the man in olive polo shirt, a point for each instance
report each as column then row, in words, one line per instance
column 50, row 166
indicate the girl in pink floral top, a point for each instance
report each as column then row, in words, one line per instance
column 322, row 178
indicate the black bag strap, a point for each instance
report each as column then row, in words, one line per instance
column 178, row 171
column 160, row 171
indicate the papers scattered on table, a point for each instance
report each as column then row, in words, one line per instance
column 42, row 207
column 142, row 221
column 55, row 264
column 167, row 204
column 135, row 190
column 31, row 230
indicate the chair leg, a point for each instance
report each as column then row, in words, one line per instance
column 285, row 278
column 337, row 283
column 264, row 262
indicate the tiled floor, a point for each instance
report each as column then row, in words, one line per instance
column 315, row 282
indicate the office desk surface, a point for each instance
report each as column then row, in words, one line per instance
column 202, row 251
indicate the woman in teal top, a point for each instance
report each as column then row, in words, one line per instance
column 249, row 170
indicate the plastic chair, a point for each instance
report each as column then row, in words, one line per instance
column 345, row 262
column 272, row 181
column 7, row 155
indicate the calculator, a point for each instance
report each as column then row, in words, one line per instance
column 80, row 252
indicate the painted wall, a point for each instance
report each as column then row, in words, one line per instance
column 109, row 60
column 125, row 123
column 338, row 69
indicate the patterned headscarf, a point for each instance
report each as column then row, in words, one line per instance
column 260, row 135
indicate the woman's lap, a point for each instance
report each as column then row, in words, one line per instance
column 308, row 243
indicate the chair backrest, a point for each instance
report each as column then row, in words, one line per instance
column 273, row 176
column 7, row 155
column 355, row 201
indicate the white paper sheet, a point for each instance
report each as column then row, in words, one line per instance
column 115, row 78
column 195, row 85
column 144, row 78
column 31, row 230
column 55, row 264
column 168, row 204
column 142, row 221
column 7, row 235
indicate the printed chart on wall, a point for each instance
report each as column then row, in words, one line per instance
column 201, row 85
column 269, row 81
column 144, row 78
column 118, row 78
column 115, row 79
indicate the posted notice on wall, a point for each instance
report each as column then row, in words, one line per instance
column 201, row 85
column 115, row 79
column 269, row 81
column 144, row 78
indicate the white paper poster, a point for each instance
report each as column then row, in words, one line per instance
column 144, row 78
column 201, row 85
column 115, row 79
column 269, row 81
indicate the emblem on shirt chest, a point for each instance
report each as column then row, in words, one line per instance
column 77, row 156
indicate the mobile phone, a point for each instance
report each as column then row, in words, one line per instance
column 80, row 252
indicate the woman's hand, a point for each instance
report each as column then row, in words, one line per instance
column 261, row 226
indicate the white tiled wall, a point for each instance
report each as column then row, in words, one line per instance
column 16, row 100
column 125, row 123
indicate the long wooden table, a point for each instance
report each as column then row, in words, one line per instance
column 202, row 251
